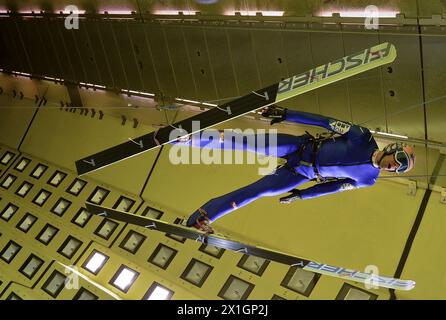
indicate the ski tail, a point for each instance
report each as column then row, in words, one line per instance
column 336, row 70
column 313, row 79
column 369, row 280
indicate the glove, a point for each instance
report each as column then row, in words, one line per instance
column 278, row 114
column 293, row 196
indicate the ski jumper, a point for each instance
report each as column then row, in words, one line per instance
column 338, row 163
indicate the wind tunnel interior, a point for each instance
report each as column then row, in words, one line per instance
column 133, row 67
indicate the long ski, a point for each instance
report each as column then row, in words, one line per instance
column 312, row 79
column 233, row 245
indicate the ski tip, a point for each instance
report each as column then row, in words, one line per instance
column 410, row 285
column 393, row 53
column 387, row 51
column 79, row 168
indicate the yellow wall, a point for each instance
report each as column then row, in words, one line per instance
column 353, row 229
column 427, row 262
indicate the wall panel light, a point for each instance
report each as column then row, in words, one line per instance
column 382, row 13
column 255, row 13
column 152, row 213
column 10, row 251
column 349, row 292
column 13, row 296
column 57, row 178
column 54, row 284
column 24, row 188
column 84, row 294
column 235, row 289
column 6, row 158
column 8, row 181
column 174, row 12
column 124, row 278
column 61, row 207
column 38, row 171
column 23, row 163
column 106, row 229
column 174, row 236
column 98, row 196
column 47, row 234
column 41, row 197
column 158, row 292
column 95, row 262
column 76, row 187
column 31, row 266
column 132, row 241
column 196, row 272
column 27, row 222
column 162, row 256
column 124, row 204
column 253, row 264
column 301, row 281
column 9, row 211
column 70, row 246
column 212, row 250
column 82, row 217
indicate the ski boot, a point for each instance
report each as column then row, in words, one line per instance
column 277, row 114
column 184, row 139
column 201, row 222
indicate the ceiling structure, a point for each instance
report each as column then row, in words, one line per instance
column 151, row 63
column 224, row 50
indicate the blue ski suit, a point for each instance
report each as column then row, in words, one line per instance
column 344, row 162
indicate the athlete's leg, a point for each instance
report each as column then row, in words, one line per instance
column 272, row 185
column 278, row 145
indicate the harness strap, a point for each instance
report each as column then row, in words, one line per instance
column 316, row 143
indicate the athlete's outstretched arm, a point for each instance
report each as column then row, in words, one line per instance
column 341, row 127
column 312, row 119
column 322, row 189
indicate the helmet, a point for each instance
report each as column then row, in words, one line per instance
column 404, row 156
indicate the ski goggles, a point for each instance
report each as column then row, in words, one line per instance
column 403, row 160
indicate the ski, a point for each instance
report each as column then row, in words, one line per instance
column 315, row 78
column 233, row 245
